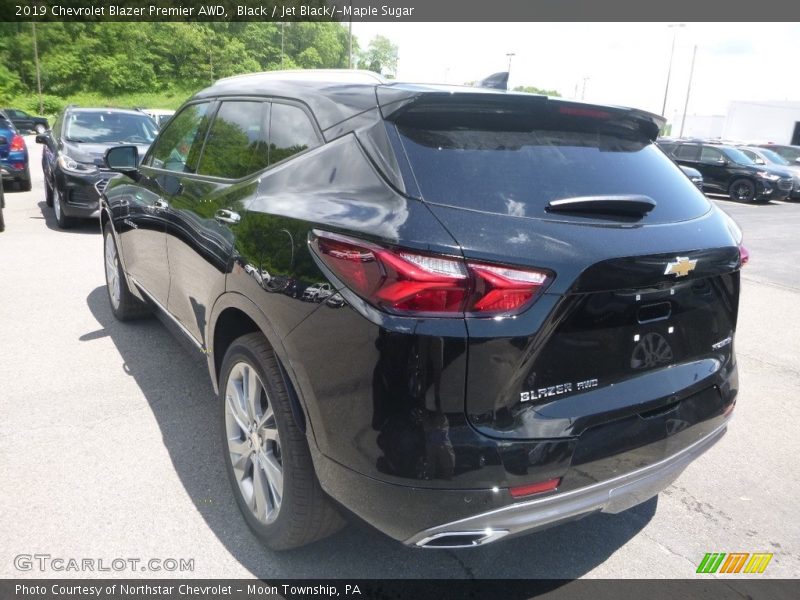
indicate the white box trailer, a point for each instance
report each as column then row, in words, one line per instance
column 760, row 122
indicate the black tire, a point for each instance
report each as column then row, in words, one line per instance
column 48, row 194
column 25, row 182
column 305, row 513
column 742, row 190
column 63, row 221
column 128, row 306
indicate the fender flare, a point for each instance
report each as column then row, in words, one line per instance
column 248, row 307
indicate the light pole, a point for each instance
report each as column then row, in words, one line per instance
column 688, row 91
column 350, row 39
column 283, row 26
column 675, row 27
column 38, row 71
column 583, row 91
column 510, row 55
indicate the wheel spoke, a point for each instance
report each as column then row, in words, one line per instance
column 260, row 483
column 267, row 420
column 239, row 446
column 252, row 390
column 269, row 433
column 274, row 474
column 240, row 464
column 233, row 398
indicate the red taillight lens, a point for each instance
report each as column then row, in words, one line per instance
column 744, row 255
column 17, row 143
column 535, row 488
column 402, row 281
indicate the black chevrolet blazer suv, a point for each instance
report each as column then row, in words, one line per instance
column 460, row 314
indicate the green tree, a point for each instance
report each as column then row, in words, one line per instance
column 531, row 89
column 380, row 56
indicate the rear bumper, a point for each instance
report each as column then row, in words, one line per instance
column 8, row 170
column 610, row 496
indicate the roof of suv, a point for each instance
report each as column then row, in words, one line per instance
column 335, row 95
column 87, row 109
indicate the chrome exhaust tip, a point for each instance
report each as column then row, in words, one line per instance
column 461, row 539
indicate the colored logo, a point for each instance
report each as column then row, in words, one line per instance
column 681, row 267
column 734, row 562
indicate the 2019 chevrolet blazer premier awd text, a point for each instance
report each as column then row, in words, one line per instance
column 534, row 308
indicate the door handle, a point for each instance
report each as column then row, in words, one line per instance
column 160, row 204
column 227, row 216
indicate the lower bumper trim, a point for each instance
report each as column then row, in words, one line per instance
column 610, row 496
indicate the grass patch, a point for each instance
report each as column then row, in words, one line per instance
column 53, row 105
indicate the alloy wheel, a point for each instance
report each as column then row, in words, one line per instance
column 57, row 203
column 254, row 447
column 112, row 271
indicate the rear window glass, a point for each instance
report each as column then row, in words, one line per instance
column 519, row 172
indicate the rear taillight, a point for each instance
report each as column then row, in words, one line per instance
column 744, row 255
column 17, row 143
column 406, row 282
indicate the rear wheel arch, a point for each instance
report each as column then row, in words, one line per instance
column 232, row 317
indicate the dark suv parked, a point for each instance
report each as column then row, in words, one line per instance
column 727, row 170
column 25, row 122
column 534, row 312
column 72, row 159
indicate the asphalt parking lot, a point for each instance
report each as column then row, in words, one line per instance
column 109, row 447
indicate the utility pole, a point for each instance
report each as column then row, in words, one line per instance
column 674, row 26
column 510, row 55
column 583, row 91
column 38, row 71
column 350, row 40
column 688, row 91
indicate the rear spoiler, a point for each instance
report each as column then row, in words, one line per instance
column 398, row 100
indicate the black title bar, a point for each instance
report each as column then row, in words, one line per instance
column 395, row 589
column 398, row 10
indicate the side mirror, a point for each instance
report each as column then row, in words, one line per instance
column 123, row 159
column 41, row 138
column 797, row 160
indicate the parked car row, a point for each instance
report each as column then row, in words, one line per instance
column 744, row 173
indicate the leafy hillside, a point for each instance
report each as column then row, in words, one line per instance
column 153, row 64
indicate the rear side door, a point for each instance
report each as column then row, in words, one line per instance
column 715, row 170
column 688, row 155
column 208, row 203
column 140, row 217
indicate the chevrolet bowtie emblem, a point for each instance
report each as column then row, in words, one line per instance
column 680, row 267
